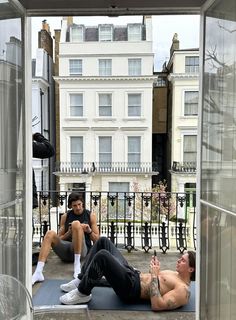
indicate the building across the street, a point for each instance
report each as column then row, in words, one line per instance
column 105, row 100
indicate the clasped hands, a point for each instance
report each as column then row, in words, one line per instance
column 154, row 267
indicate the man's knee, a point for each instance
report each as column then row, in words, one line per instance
column 103, row 240
column 76, row 225
column 50, row 235
column 102, row 255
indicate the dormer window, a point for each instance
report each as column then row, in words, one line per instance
column 134, row 32
column 105, row 32
column 77, row 34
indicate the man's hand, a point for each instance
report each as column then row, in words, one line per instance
column 154, row 267
column 86, row 228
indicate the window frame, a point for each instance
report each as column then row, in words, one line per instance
column 185, row 134
column 78, row 27
column 105, row 71
column 105, row 37
column 137, row 36
column 99, row 106
column 134, row 71
column 184, row 102
column 134, row 164
column 191, row 68
column 108, row 163
column 74, row 152
column 80, row 73
column 129, row 106
column 80, row 107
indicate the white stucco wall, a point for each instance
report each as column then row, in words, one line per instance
column 181, row 124
column 119, row 126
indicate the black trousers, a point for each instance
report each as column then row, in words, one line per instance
column 104, row 259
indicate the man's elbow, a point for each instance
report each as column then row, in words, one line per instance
column 157, row 308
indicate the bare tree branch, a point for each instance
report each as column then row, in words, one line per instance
column 222, row 27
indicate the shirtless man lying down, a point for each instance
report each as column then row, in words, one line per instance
column 167, row 289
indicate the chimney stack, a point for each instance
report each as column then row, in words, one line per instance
column 69, row 21
column 175, row 44
column 45, row 26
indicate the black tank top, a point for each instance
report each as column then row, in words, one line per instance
column 82, row 218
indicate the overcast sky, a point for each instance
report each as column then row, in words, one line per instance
column 164, row 27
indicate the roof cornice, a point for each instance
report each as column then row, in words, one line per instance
column 108, row 78
column 183, row 76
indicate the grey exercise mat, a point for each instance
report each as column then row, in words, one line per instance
column 104, row 298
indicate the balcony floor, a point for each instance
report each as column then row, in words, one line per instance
column 55, row 269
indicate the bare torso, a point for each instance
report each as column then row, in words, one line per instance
column 169, row 280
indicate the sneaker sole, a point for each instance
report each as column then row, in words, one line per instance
column 82, row 300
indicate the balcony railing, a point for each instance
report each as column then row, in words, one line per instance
column 130, row 219
column 188, row 167
column 105, row 167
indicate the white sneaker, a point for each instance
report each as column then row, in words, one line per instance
column 75, row 297
column 67, row 287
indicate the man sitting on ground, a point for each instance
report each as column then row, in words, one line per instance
column 78, row 229
column 165, row 289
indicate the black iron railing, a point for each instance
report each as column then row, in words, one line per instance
column 184, row 167
column 130, row 219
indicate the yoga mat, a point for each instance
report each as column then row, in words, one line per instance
column 103, row 298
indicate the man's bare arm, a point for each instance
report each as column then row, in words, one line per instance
column 94, row 235
column 169, row 301
column 61, row 233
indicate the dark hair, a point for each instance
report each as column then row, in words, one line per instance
column 74, row 197
column 192, row 263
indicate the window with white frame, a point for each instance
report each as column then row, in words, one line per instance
column 105, row 104
column 134, row 32
column 105, row 32
column 134, row 152
column 76, row 152
column 134, row 67
column 105, row 152
column 105, row 66
column 76, row 105
column 75, row 66
column 190, row 103
column 190, row 148
column 192, row 64
column 77, row 34
column 134, row 104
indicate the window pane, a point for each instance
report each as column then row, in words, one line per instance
column 134, row 151
column 134, row 105
column 77, row 149
column 119, row 187
column 75, row 67
column 105, row 107
column 104, row 67
column 105, row 152
column 134, row 66
column 105, row 33
column 191, row 64
column 191, row 103
column 76, row 105
column 134, row 32
column 77, row 34
column 190, row 148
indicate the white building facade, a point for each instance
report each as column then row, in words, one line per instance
column 184, row 83
column 105, row 88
